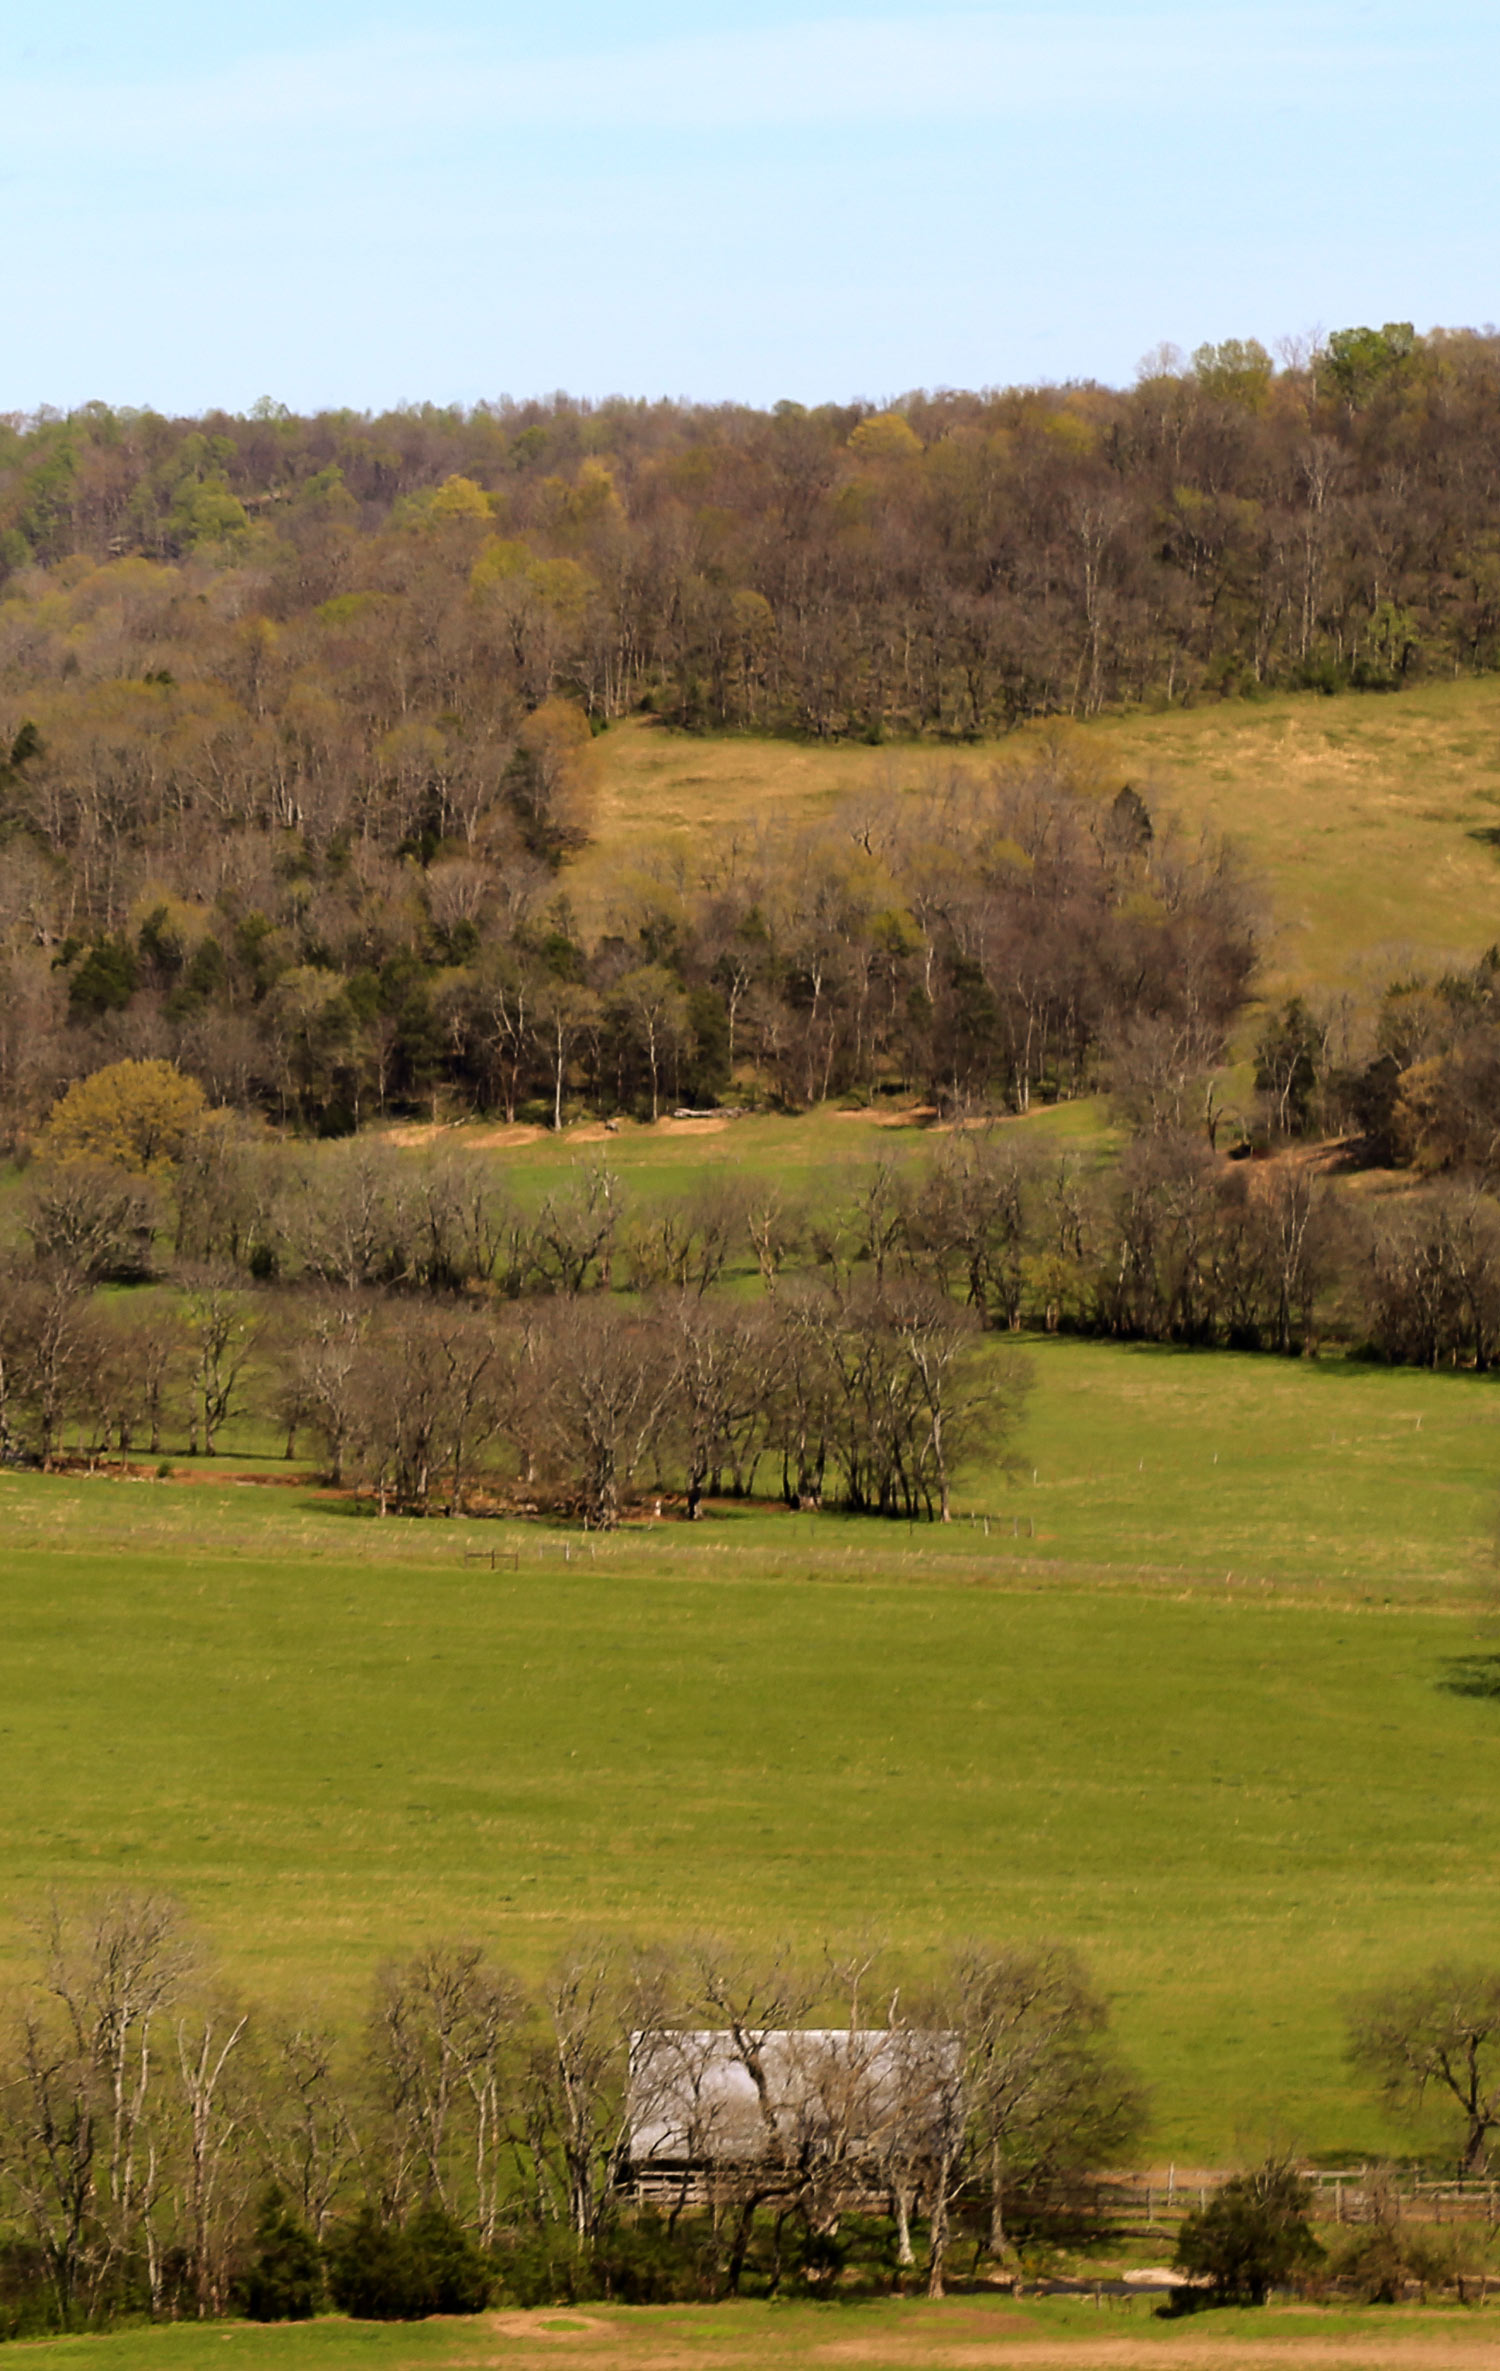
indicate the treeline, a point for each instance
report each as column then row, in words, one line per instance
column 868, row 1398
column 313, row 587
column 643, row 2123
column 170, row 2148
column 440, row 1345
column 987, row 939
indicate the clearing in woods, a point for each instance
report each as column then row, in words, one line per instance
column 1210, row 1700
column 1373, row 820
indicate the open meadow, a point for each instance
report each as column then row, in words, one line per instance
column 1186, row 1689
column 1371, row 821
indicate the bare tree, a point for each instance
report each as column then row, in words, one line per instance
column 576, row 2110
column 144, row 1370
column 218, row 2168
column 602, row 1396
column 1437, row 2038
column 689, row 1242
column 721, row 1379
column 752, row 2001
column 415, row 1403
column 441, row 2040
column 90, row 1219
column 81, row 2085
column 307, row 2123
column 52, row 1349
column 575, row 1231
column 223, row 1334
column 1045, row 2094
column 323, row 1374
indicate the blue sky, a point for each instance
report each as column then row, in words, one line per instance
column 331, row 203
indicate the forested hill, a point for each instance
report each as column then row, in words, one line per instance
column 296, row 715
column 951, row 564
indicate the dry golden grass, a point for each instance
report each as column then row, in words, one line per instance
column 1365, row 816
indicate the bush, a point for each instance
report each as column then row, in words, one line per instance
column 639, row 2262
column 393, row 2272
column 285, row 2279
column 1252, row 2237
column 1377, row 2263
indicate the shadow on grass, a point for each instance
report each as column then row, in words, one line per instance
column 1471, row 1675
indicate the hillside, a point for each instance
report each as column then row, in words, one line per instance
column 1373, row 822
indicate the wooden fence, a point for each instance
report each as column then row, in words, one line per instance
column 1354, row 2194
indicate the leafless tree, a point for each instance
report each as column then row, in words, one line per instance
column 52, row 1351
column 1437, row 2039
column 689, row 1242
column 224, row 1333
column 442, row 2041
column 751, row 2001
column 575, row 1231
column 721, row 1382
column 575, row 2109
column 1045, row 2093
column 219, row 2161
column 322, row 1370
column 419, row 1404
column 81, row 2085
column 968, row 1223
column 308, row 2127
column 143, row 1370
column 89, row 1219
column 601, row 1397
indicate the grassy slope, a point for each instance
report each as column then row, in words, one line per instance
column 818, row 1160
column 1361, row 813
column 1240, row 1796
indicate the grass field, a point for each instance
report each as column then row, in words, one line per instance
column 817, row 1160
column 1370, row 819
column 1194, row 1720
column 962, row 2334
column 1175, row 1690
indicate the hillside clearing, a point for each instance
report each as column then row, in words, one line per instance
column 1370, row 819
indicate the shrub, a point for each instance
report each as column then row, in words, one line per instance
column 390, row 2272
column 1252, row 2237
column 1378, row 2262
column 285, row 2280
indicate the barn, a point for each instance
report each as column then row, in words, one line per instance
column 731, row 2114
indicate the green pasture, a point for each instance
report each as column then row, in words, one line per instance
column 1194, row 1716
column 970, row 2331
column 816, row 1161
